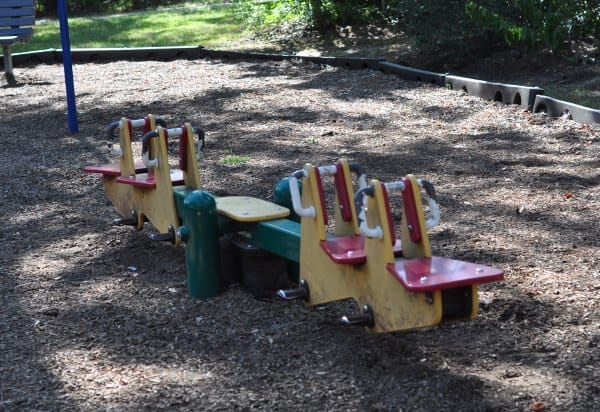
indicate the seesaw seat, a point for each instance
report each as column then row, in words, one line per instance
column 113, row 169
column 435, row 273
column 250, row 209
column 350, row 249
column 148, row 181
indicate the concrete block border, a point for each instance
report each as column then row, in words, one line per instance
column 410, row 73
column 523, row 96
column 558, row 108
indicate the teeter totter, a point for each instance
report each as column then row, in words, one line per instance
column 143, row 190
column 126, row 165
column 171, row 199
column 397, row 282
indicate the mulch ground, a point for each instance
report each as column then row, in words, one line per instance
column 97, row 317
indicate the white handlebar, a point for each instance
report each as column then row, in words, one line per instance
column 116, row 150
column 397, row 187
column 372, row 232
column 138, row 123
column 148, row 162
column 295, row 194
column 327, row 170
column 434, row 209
column 394, row 187
column 362, row 181
column 175, row 132
column 330, row 170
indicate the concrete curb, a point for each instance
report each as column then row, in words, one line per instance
column 505, row 93
column 410, row 73
column 558, row 108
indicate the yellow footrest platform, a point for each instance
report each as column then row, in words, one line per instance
column 250, row 209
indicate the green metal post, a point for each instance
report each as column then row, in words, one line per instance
column 200, row 232
column 282, row 196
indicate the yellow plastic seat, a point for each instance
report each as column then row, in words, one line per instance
column 250, row 209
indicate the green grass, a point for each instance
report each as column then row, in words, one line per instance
column 210, row 26
column 235, row 160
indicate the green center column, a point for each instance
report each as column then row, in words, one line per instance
column 200, row 232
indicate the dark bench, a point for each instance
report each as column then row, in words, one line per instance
column 17, row 18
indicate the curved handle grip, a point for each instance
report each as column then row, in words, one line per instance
column 434, row 207
column 330, row 170
column 137, row 123
column 295, row 195
column 360, row 172
column 360, row 200
column 146, row 149
column 175, row 132
column 110, row 137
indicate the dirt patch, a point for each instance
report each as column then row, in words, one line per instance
column 574, row 78
column 97, row 317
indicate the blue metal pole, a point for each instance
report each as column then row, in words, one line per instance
column 68, row 65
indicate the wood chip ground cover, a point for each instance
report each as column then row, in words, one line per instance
column 96, row 317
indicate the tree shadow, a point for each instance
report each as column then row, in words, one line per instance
column 266, row 344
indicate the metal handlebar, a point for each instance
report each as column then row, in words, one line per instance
column 136, row 123
column 434, row 207
column 330, row 170
column 174, row 132
column 360, row 172
column 146, row 149
column 295, row 195
column 360, row 200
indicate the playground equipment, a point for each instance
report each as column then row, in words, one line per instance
column 125, row 166
column 143, row 190
column 398, row 284
column 151, row 191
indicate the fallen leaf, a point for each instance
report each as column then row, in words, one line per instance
column 538, row 406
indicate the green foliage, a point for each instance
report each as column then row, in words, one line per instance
column 321, row 14
column 81, row 7
column 537, row 23
column 449, row 29
column 343, row 12
column 262, row 14
column 440, row 29
column 455, row 28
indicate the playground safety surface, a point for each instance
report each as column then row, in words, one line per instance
column 97, row 317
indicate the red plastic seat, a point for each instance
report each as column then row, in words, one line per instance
column 147, row 180
column 350, row 249
column 113, row 169
column 345, row 249
column 435, row 273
